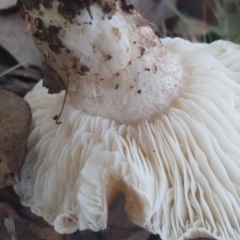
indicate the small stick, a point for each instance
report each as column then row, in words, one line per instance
column 88, row 9
column 56, row 117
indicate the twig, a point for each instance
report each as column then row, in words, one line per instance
column 56, row 117
column 89, row 10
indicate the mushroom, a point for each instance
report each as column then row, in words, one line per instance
column 155, row 120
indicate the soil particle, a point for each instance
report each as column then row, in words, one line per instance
column 107, row 8
column 116, row 32
column 49, row 35
column 70, row 8
column 15, row 118
column 109, row 57
column 47, row 3
column 78, row 67
column 127, row 6
column 142, row 51
column 30, row 4
column 84, row 69
column 155, row 68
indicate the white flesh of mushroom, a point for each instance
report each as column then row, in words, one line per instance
column 179, row 171
column 116, row 70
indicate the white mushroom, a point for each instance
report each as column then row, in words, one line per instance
column 172, row 149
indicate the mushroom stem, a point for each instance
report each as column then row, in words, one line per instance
column 117, row 66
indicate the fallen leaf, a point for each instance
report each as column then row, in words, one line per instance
column 15, row 119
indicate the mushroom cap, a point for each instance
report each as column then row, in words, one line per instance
column 180, row 173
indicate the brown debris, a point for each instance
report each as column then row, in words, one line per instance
column 15, row 118
column 68, row 11
column 126, row 6
column 142, row 51
column 49, row 35
column 51, row 79
column 70, row 8
column 47, row 3
column 84, row 69
column 107, row 8
column 155, row 68
column 31, row 4
column 80, row 68
column 116, row 32
column 109, row 57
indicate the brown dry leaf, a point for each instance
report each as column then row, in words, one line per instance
column 5, row 4
column 51, row 79
column 15, row 118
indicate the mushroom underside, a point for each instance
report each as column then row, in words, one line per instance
column 180, row 173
